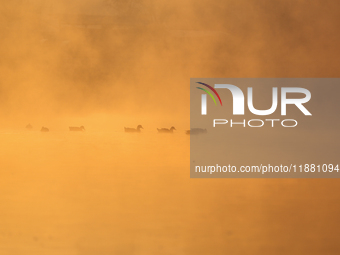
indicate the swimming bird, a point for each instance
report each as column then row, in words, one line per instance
column 81, row 128
column 29, row 127
column 133, row 130
column 44, row 129
column 196, row 131
column 166, row 130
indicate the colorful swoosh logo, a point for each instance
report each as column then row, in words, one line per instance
column 212, row 89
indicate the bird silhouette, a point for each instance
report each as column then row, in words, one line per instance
column 166, row 130
column 196, row 131
column 133, row 130
column 44, row 129
column 81, row 128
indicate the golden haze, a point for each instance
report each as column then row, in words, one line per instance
column 106, row 65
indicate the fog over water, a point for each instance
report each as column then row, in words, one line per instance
column 107, row 65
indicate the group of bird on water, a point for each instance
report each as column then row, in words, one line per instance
column 132, row 130
column 139, row 127
column 45, row 129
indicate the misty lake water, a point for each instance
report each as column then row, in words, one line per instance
column 116, row 193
